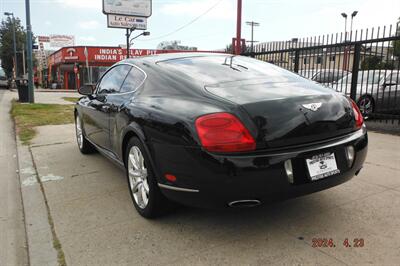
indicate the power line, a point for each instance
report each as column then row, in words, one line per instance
column 186, row 25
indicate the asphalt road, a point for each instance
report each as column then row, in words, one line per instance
column 97, row 225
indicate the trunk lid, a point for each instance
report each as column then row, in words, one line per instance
column 284, row 113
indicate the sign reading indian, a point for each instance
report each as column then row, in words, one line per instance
column 98, row 54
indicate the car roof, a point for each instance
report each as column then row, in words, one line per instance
column 172, row 56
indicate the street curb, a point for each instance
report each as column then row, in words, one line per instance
column 38, row 230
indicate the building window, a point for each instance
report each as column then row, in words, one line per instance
column 305, row 61
column 332, row 58
column 319, row 59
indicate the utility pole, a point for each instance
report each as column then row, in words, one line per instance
column 252, row 24
column 238, row 49
column 128, row 35
column 29, row 51
column 23, row 59
column 9, row 14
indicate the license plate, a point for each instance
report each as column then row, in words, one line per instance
column 322, row 165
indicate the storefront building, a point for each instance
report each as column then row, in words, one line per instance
column 71, row 67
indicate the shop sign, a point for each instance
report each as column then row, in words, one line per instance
column 126, row 22
column 62, row 40
column 138, row 8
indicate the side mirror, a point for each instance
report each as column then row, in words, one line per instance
column 86, row 89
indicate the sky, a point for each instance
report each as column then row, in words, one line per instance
column 279, row 20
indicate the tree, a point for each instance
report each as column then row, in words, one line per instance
column 6, row 45
column 375, row 62
column 228, row 49
column 174, row 45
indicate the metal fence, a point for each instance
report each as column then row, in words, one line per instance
column 363, row 64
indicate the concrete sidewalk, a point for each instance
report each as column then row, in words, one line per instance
column 54, row 97
column 13, row 250
column 97, row 225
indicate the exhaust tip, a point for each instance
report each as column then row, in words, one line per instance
column 244, row 203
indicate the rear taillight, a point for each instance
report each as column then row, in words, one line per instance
column 357, row 114
column 223, row 132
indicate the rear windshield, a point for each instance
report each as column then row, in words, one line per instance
column 224, row 68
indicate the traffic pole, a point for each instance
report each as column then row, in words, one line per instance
column 239, row 28
column 127, row 43
column 15, row 48
column 31, row 95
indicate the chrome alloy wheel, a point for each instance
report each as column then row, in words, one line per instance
column 366, row 106
column 137, row 173
column 79, row 133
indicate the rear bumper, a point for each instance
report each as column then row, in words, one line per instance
column 212, row 181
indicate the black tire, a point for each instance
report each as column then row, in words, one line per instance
column 85, row 147
column 157, row 204
column 366, row 104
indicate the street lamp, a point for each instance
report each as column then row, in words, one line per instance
column 352, row 16
column 345, row 25
column 128, row 42
column 145, row 33
column 9, row 14
column 252, row 24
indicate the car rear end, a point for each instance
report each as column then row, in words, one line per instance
column 251, row 170
column 284, row 138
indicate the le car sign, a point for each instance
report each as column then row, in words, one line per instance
column 137, row 8
column 126, row 22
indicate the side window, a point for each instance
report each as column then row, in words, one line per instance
column 112, row 81
column 394, row 78
column 134, row 79
column 317, row 77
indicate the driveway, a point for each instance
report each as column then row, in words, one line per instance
column 97, row 224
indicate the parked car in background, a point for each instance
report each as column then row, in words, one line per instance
column 219, row 131
column 377, row 90
column 324, row 76
column 4, row 83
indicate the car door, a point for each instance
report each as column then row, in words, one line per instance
column 97, row 114
column 131, row 84
column 391, row 91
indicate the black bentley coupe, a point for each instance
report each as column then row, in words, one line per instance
column 217, row 131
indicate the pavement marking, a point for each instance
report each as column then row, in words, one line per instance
column 28, row 170
column 51, row 177
column 49, row 144
column 86, row 173
column 30, row 181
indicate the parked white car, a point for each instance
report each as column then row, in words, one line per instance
column 324, row 76
column 377, row 90
column 3, row 79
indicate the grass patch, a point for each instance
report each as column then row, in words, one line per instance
column 28, row 116
column 71, row 99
